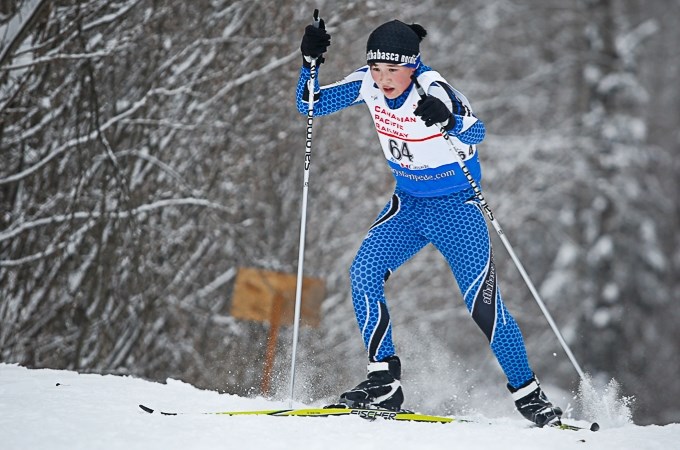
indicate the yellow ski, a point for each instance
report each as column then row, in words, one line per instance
column 369, row 414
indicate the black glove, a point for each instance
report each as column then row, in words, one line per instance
column 315, row 42
column 432, row 110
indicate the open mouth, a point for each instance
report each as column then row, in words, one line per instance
column 388, row 90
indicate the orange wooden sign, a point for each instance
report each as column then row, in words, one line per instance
column 266, row 296
column 258, row 295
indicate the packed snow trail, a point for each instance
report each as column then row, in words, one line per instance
column 54, row 409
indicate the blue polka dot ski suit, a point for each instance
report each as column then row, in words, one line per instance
column 453, row 223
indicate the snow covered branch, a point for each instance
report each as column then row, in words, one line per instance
column 87, row 215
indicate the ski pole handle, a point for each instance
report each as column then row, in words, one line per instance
column 459, row 159
column 423, row 95
column 419, row 88
column 316, row 21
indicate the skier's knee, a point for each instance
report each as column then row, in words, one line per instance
column 362, row 276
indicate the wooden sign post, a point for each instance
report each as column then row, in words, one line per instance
column 267, row 296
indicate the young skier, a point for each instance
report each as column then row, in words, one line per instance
column 432, row 203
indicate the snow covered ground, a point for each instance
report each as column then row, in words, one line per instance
column 54, row 409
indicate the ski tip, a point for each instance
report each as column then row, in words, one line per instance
column 146, row 409
column 594, row 426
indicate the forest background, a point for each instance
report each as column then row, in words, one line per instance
column 151, row 148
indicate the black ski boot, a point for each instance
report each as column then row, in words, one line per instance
column 533, row 404
column 382, row 389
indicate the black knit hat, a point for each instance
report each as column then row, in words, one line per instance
column 396, row 43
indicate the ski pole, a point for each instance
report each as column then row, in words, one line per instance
column 487, row 209
column 303, row 215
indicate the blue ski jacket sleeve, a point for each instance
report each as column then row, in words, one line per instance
column 334, row 97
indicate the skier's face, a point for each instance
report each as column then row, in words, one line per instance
column 392, row 79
